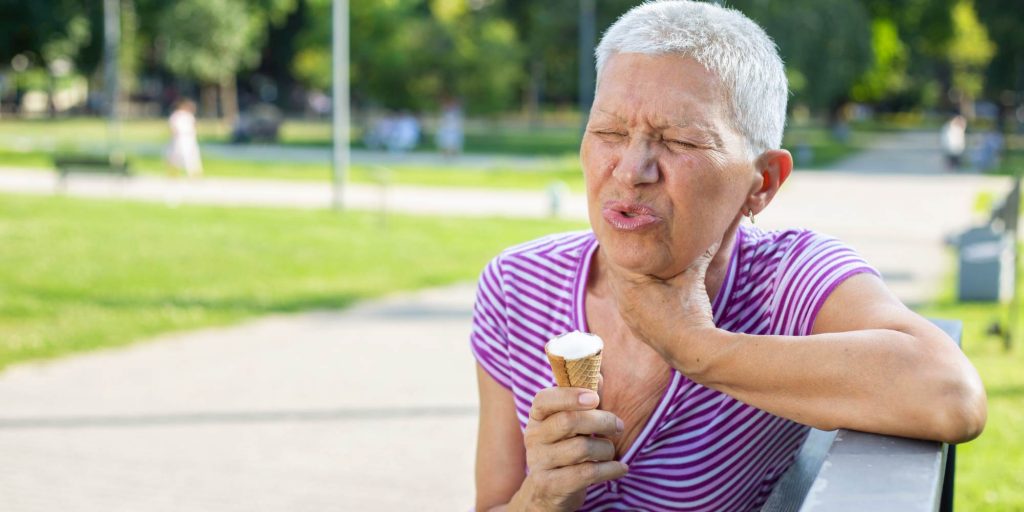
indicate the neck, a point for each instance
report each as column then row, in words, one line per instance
column 597, row 281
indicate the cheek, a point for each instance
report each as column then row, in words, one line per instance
column 597, row 162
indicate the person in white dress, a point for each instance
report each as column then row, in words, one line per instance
column 183, row 152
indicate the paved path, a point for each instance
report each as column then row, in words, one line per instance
column 917, row 153
column 368, row 409
column 371, row 408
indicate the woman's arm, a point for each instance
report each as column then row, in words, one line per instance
column 500, row 452
column 870, row 364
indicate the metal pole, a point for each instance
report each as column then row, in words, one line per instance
column 1014, row 329
column 340, row 97
column 111, row 45
column 586, row 57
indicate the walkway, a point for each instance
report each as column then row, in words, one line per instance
column 372, row 408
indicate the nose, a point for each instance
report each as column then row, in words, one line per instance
column 638, row 164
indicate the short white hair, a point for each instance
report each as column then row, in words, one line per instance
column 725, row 42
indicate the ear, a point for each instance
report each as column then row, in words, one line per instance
column 774, row 167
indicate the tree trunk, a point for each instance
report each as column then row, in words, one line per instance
column 534, row 92
column 51, row 93
column 967, row 106
column 208, row 100
column 229, row 101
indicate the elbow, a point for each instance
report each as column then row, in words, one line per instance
column 964, row 413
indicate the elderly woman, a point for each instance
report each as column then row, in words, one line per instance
column 723, row 342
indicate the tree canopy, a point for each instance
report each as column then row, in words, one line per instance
column 498, row 55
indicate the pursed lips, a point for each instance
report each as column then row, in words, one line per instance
column 626, row 216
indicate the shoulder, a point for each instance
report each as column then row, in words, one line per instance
column 789, row 244
column 552, row 253
column 801, row 268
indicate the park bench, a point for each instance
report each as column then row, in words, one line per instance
column 849, row 471
column 110, row 163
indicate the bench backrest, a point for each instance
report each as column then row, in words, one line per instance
column 853, row 471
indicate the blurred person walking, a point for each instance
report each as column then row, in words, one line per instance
column 183, row 152
column 404, row 134
column 449, row 128
column 954, row 141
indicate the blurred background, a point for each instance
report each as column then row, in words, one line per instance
column 226, row 337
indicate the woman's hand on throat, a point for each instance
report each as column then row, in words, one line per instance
column 667, row 314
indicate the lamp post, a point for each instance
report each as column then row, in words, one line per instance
column 111, row 47
column 340, row 98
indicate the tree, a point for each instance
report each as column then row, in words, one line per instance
column 969, row 53
column 826, row 45
column 409, row 54
column 1004, row 78
column 49, row 36
column 210, row 41
column 888, row 73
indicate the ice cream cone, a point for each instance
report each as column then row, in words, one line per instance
column 575, row 359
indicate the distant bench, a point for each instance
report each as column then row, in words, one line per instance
column 112, row 163
column 848, row 471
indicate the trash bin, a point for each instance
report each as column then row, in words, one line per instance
column 985, row 263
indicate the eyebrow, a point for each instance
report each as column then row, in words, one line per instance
column 682, row 124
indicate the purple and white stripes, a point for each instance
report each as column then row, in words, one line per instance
column 701, row 449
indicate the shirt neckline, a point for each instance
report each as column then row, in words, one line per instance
column 580, row 323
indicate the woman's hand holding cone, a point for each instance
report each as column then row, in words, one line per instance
column 563, row 450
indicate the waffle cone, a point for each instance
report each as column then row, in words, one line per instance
column 576, row 373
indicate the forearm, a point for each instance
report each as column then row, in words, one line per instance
column 879, row 380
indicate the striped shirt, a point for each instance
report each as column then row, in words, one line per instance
column 700, row 449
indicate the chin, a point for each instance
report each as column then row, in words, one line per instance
column 639, row 258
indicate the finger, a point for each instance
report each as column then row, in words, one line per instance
column 600, row 386
column 701, row 263
column 557, row 399
column 577, row 450
column 581, row 476
column 567, row 424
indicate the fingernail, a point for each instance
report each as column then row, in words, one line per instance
column 625, row 467
column 588, row 399
column 619, row 425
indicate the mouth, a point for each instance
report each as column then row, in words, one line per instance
column 625, row 216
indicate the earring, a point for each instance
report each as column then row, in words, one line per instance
column 750, row 215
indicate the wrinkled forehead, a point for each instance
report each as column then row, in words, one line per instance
column 672, row 84
column 666, row 85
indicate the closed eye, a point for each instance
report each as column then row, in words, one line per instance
column 681, row 143
column 609, row 135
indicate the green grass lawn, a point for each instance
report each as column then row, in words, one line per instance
column 30, row 144
column 77, row 275
column 990, row 469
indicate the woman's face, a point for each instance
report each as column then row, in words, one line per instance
column 666, row 172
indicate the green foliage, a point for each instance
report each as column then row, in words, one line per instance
column 77, row 275
column 1006, row 71
column 825, row 42
column 210, row 40
column 969, row 51
column 888, row 75
column 46, row 31
column 412, row 53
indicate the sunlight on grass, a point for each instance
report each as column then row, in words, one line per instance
column 77, row 275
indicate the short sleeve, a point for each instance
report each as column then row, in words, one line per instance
column 809, row 271
column 489, row 337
